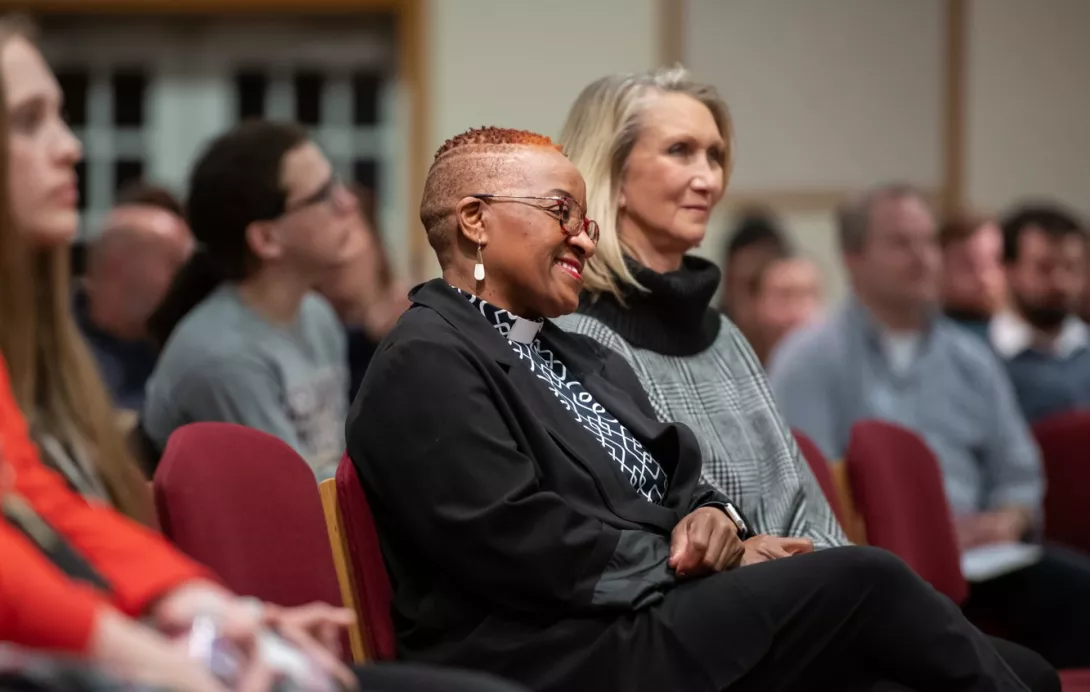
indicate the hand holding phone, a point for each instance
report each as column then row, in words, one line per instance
column 282, row 666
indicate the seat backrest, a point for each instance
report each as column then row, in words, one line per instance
column 1065, row 452
column 899, row 492
column 246, row 505
column 1075, row 680
column 374, row 593
column 820, row 466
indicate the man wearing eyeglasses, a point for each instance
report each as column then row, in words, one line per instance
column 257, row 346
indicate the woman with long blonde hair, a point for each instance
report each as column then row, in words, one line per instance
column 655, row 150
column 54, row 376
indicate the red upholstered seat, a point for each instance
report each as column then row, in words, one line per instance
column 372, row 581
column 1075, row 680
column 1065, row 451
column 246, row 505
column 820, row 466
column 898, row 491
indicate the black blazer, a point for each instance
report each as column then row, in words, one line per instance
column 513, row 541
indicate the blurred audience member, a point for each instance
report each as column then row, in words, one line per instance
column 130, row 266
column 787, row 293
column 54, row 376
column 1043, row 341
column 364, row 292
column 246, row 339
column 973, row 286
column 1084, row 299
column 96, row 603
column 755, row 240
column 651, row 302
column 888, row 354
column 76, row 574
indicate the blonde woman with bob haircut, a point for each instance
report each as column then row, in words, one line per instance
column 655, row 149
column 54, row 376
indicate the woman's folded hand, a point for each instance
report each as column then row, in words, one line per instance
column 704, row 542
column 764, row 548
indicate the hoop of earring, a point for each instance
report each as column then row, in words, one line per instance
column 478, row 269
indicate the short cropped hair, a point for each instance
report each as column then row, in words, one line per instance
column 470, row 158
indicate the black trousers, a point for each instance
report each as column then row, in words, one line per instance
column 1031, row 668
column 1045, row 606
column 404, row 677
column 853, row 618
column 384, row 677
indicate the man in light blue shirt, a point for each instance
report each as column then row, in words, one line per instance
column 888, row 354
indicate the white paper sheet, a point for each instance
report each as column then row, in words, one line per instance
column 990, row 561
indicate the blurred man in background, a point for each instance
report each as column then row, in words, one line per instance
column 143, row 242
column 1041, row 337
column 889, row 354
column 973, row 286
column 754, row 242
column 787, row 293
column 1084, row 300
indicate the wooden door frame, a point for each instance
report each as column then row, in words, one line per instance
column 411, row 53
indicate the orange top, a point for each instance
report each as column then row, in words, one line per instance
column 40, row 606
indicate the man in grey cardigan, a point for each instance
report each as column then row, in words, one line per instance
column 888, row 354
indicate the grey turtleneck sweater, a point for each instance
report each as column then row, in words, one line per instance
column 698, row 370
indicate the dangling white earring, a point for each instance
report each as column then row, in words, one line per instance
column 478, row 269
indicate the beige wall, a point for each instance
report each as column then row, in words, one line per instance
column 825, row 94
column 827, row 97
column 830, row 97
column 521, row 63
column 1028, row 102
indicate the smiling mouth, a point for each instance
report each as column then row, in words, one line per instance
column 571, row 267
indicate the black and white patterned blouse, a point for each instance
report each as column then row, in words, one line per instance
column 636, row 463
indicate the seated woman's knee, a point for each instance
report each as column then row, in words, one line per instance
column 870, row 564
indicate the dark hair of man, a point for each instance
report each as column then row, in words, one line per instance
column 756, row 227
column 1053, row 220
